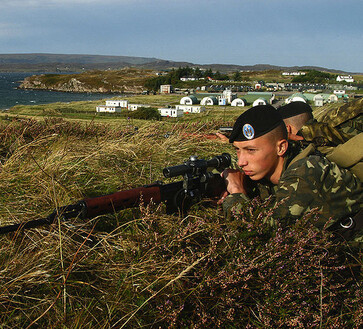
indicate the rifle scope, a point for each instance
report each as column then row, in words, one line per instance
column 225, row 129
column 195, row 166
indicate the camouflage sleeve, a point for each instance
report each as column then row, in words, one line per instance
column 286, row 203
column 238, row 200
column 322, row 134
column 310, row 183
column 316, row 183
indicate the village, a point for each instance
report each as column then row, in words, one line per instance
column 197, row 101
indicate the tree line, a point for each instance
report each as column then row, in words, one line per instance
column 173, row 77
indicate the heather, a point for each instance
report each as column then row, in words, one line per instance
column 140, row 267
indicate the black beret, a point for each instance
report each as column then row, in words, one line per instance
column 294, row 108
column 255, row 122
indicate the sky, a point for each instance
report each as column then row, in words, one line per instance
column 325, row 33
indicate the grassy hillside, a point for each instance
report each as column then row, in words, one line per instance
column 127, row 80
column 142, row 268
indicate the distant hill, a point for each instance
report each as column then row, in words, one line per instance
column 66, row 63
column 78, row 63
column 70, row 59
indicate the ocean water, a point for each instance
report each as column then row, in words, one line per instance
column 10, row 95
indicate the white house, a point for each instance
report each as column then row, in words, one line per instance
column 293, row 73
column 188, row 79
column 324, row 98
column 340, row 92
column 346, row 78
column 166, row 89
column 134, row 107
column 226, row 98
column 189, row 100
column 191, row 108
column 209, row 100
column 222, row 100
column 117, row 102
column 319, row 100
column 333, row 98
column 108, row 108
column 239, row 102
column 260, row 101
column 171, row 112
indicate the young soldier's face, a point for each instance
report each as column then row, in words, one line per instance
column 259, row 157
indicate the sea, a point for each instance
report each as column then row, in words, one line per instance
column 10, row 95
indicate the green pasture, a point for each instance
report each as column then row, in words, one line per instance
column 87, row 111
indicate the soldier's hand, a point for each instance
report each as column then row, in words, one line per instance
column 222, row 137
column 236, row 181
column 294, row 137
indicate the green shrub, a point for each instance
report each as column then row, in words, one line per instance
column 145, row 113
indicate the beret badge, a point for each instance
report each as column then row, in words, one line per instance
column 248, row 131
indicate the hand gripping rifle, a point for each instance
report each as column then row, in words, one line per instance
column 179, row 196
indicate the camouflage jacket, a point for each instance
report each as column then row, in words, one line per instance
column 348, row 118
column 312, row 182
column 322, row 134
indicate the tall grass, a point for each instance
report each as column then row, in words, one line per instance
column 143, row 268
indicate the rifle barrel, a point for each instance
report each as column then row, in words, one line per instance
column 25, row 225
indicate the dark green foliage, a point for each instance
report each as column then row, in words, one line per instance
column 237, row 76
column 173, row 77
column 145, row 113
column 313, row 76
column 219, row 76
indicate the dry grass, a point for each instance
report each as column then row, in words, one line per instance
column 142, row 268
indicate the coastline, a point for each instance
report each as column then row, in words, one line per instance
column 11, row 95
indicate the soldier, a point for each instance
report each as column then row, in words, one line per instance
column 343, row 149
column 297, row 184
column 348, row 118
column 301, row 125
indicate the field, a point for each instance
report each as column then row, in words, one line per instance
column 141, row 267
column 87, row 111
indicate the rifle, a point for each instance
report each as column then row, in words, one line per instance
column 226, row 130
column 179, row 196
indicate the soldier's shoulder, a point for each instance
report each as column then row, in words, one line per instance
column 347, row 112
column 310, row 168
column 311, row 161
column 322, row 134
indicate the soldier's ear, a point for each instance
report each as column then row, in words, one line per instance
column 282, row 146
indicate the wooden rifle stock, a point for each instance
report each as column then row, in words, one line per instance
column 157, row 193
column 121, row 200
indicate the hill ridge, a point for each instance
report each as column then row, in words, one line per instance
column 79, row 62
